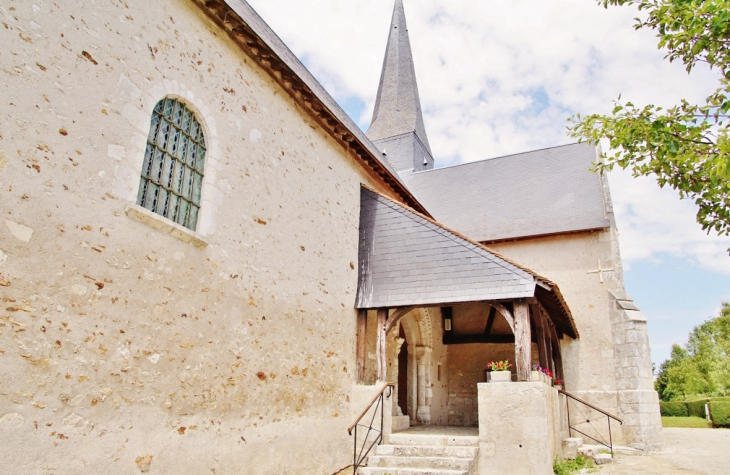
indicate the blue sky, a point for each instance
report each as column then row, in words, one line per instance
column 499, row 77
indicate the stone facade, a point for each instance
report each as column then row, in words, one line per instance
column 129, row 344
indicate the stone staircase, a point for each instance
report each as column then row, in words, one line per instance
column 423, row 454
column 574, row 446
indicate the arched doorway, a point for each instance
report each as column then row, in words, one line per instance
column 414, row 384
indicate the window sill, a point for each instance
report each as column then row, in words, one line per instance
column 164, row 225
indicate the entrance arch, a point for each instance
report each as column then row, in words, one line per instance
column 417, row 328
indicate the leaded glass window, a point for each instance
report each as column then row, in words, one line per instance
column 172, row 172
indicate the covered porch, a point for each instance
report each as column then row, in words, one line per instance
column 435, row 307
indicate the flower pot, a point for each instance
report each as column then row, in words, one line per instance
column 536, row 376
column 500, row 376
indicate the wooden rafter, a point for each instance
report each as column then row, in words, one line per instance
column 490, row 320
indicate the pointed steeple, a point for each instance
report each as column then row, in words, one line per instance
column 397, row 126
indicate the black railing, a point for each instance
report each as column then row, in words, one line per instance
column 359, row 456
column 584, row 426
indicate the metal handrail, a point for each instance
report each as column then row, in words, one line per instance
column 608, row 415
column 358, row 458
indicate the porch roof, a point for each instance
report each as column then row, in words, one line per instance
column 407, row 259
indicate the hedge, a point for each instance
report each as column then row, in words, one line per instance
column 674, row 409
column 697, row 408
column 720, row 412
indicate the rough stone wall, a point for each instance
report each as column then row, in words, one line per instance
column 124, row 349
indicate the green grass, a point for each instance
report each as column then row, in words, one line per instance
column 566, row 467
column 692, row 422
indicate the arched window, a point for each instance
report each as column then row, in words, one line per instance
column 172, row 172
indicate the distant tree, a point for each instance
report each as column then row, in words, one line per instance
column 703, row 367
column 688, row 145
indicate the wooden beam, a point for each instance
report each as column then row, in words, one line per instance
column 540, row 323
column 523, row 343
column 466, row 339
column 380, row 344
column 557, row 356
column 490, row 320
column 395, row 318
column 362, row 325
column 506, row 314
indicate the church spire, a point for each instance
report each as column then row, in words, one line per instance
column 397, row 126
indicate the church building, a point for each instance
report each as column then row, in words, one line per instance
column 206, row 267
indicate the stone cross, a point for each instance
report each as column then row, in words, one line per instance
column 600, row 271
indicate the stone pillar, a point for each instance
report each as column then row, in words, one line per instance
column 397, row 410
column 519, row 428
column 412, row 383
column 381, row 346
column 423, row 362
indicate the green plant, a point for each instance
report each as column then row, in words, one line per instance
column 499, row 365
column 566, row 467
column 720, row 412
column 697, row 408
column 685, row 146
column 674, row 409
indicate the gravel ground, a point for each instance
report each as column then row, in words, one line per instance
column 686, row 452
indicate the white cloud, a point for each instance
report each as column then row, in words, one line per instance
column 500, row 77
column 653, row 222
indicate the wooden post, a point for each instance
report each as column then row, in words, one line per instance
column 549, row 328
column 540, row 332
column 362, row 326
column 523, row 340
column 557, row 355
column 380, row 345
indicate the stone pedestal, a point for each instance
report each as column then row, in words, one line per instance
column 519, row 428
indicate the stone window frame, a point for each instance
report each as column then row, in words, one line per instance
column 173, row 169
column 138, row 110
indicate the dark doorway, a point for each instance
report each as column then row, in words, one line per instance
column 403, row 374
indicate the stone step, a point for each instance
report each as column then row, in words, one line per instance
column 590, row 451
column 601, row 459
column 571, row 446
column 451, row 463
column 428, row 451
column 432, row 440
column 408, row 471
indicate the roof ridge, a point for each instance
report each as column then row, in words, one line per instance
column 482, row 160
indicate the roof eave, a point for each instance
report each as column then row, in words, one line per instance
column 527, row 237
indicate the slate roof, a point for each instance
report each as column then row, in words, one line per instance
column 407, row 259
column 398, row 106
column 543, row 192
